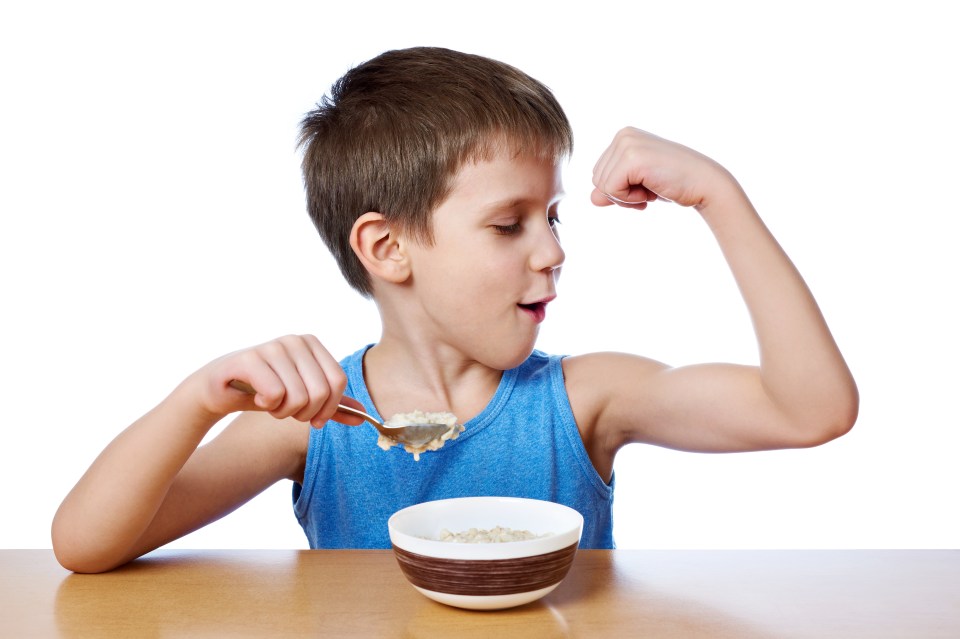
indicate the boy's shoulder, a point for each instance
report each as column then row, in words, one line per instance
column 538, row 359
column 601, row 381
column 606, row 367
column 540, row 364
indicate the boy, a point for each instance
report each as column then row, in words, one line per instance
column 434, row 178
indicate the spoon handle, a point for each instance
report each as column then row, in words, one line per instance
column 244, row 387
column 359, row 413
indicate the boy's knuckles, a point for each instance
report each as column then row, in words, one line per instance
column 295, row 400
column 293, row 342
column 308, row 412
column 312, row 340
column 338, row 383
column 271, row 404
column 274, row 349
column 248, row 358
column 633, row 156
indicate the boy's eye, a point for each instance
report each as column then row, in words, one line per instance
column 515, row 227
column 508, row 229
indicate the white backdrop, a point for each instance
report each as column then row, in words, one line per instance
column 152, row 219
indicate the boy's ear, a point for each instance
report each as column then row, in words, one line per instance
column 379, row 248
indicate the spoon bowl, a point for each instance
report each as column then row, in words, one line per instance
column 415, row 435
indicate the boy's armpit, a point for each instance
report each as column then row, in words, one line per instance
column 595, row 386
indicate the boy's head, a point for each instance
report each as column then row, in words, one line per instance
column 395, row 131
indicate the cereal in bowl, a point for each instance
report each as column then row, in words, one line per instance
column 495, row 535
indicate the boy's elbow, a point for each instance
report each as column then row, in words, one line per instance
column 69, row 556
column 76, row 556
column 74, row 563
column 833, row 429
column 835, row 418
column 80, row 562
column 846, row 411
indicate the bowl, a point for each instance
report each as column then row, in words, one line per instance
column 485, row 576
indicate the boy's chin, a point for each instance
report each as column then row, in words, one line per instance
column 504, row 360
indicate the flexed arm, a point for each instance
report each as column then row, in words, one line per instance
column 801, row 394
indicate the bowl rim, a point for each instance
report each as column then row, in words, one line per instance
column 492, row 551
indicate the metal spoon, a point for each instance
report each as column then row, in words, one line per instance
column 617, row 200
column 414, row 435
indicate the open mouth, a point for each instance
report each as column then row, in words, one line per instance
column 538, row 310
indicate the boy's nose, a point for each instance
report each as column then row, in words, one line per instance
column 548, row 255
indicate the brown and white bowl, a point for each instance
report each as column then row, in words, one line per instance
column 485, row 576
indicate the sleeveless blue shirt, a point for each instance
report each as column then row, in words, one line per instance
column 525, row 443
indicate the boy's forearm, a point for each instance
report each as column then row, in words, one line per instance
column 114, row 502
column 802, row 370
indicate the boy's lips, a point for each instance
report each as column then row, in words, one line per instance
column 537, row 310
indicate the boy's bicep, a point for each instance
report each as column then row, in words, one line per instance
column 705, row 408
column 252, row 453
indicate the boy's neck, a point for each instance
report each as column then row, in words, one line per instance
column 402, row 376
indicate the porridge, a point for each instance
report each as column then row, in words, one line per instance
column 421, row 417
column 495, row 535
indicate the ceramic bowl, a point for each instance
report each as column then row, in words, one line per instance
column 485, row 576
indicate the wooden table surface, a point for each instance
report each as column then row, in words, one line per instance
column 362, row 593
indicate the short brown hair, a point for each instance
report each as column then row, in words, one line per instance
column 395, row 130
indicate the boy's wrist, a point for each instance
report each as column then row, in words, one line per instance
column 726, row 199
column 188, row 403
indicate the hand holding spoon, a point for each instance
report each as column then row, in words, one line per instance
column 413, row 435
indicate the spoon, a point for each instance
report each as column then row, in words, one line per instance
column 414, row 435
column 617, row 200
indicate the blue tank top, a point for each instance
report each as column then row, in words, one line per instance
column 525, row 443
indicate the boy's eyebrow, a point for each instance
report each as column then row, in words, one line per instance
column 510, row 203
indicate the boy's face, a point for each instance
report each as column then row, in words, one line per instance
column 485, row 283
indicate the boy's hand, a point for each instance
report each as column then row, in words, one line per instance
column 294, row 376
column 639, row 167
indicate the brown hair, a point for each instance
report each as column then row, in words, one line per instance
column 395, row 130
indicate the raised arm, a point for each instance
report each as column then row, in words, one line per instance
column 152, row 484
column 801, row 394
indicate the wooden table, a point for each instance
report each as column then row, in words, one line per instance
column 358, row 593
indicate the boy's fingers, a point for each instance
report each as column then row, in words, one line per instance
column 611, row 177
column 333, row 374
column 599, row 198
column 346, row 418
column 310, row 372
column 295, row 396
column 317, row 392
column 258, row 376
column 295, row 376
column 627, row 168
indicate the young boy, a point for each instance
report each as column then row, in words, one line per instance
column 434, row 178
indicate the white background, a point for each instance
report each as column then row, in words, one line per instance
column 152, row 219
